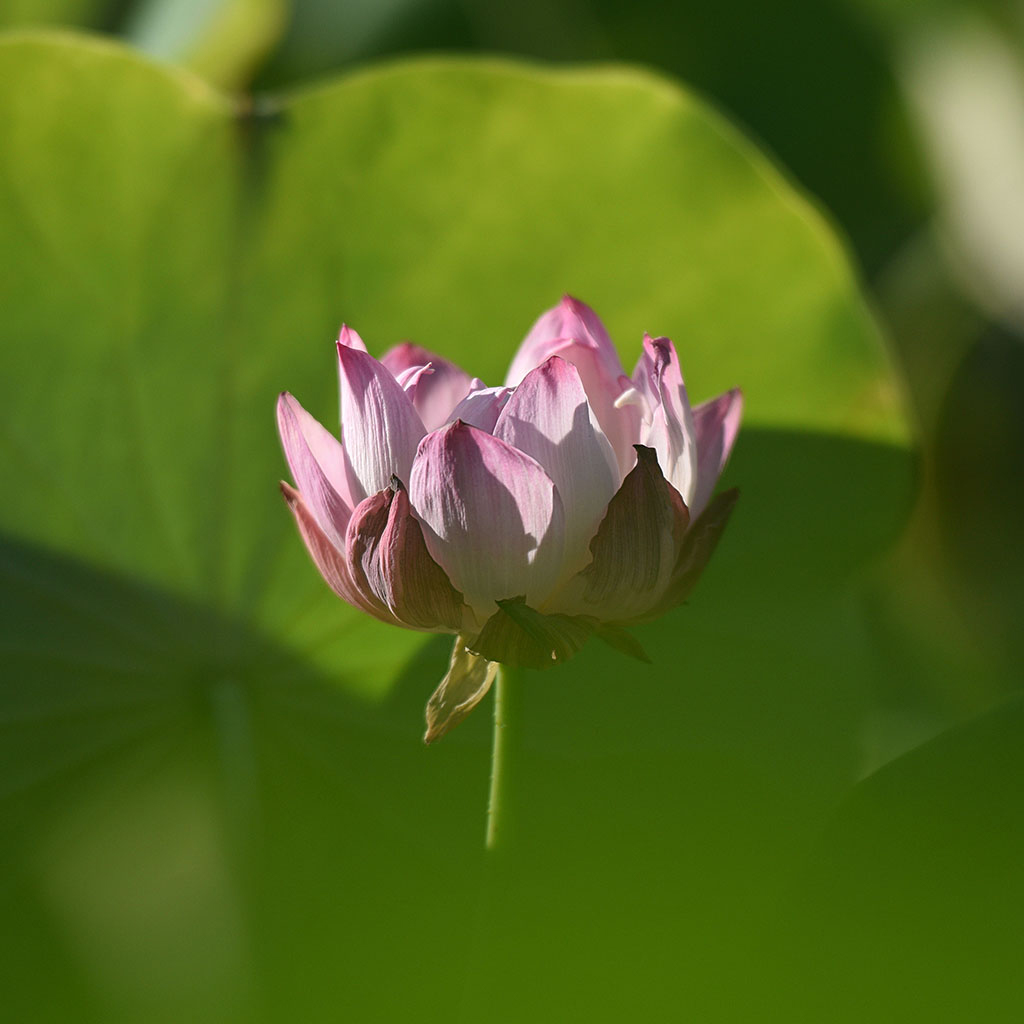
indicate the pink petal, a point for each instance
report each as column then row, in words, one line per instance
column 318, row 466
column 569, row 320
column 405, row 355
column 670, row 431
column 388, row 559
column 379, row 427
column 436, row 394
column 635, row 549
column 350, row 339
column 482, row 406
column 619, row 423
column 716, row 423
column 331, row 562
column 548, row 417
column 573, row 331
column 491, row 516
column 409, row 379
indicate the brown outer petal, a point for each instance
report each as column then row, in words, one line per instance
column 634, row 550
column 421, row 592
column 331, row 562
column 698, row 546
column 390, row 563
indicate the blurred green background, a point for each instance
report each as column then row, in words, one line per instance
column 214, row 801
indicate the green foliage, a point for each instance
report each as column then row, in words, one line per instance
column 920, row 867
column 222, row 808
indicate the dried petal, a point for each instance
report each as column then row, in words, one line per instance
column 466, row 683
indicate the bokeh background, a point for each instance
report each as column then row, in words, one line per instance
column 214, row 802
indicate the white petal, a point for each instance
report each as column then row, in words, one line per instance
column 549, row 418
column 379, row 427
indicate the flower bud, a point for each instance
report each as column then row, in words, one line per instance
column 522, row 519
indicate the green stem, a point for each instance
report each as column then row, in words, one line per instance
column 498, row 802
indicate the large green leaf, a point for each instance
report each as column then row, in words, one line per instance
column 915, row 886
column 172, row 267
column 201, row 784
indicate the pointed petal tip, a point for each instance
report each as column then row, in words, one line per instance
column 289, row 493
column 735, row 397
column 445, row 434
column 283, row 408
column 558, row 370
column 286, row 401
column 576, row 305
column 556, row 364
column 348, row 338
column 460, row 429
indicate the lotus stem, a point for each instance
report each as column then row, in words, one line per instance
column 498, row 809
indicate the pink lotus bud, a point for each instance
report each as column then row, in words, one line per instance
column 522, row 519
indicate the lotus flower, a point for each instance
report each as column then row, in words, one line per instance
column 522, row 519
